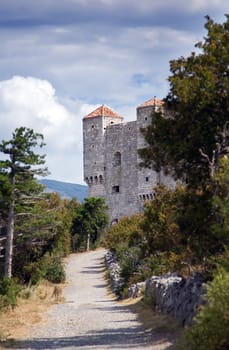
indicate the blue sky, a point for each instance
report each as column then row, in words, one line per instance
column 61, row 59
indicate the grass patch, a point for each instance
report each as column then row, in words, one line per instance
column 32, row 304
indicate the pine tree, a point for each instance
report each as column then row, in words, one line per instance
column 17, row 175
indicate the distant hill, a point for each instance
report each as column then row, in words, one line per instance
column 65, row 189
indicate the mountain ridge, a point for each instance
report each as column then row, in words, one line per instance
column 66, row 189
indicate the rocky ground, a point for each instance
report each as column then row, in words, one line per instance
column 90, row 318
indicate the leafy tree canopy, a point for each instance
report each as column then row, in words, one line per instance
column 194, row 134
column 91, row 218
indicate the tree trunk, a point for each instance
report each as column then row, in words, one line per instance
column 9, row 242
column 159, row 177
column 88, row 242
column 10, row 229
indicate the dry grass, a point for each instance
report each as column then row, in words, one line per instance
column 153, row 321
column 16, row 324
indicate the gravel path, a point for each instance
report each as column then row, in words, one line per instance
column 89, row 318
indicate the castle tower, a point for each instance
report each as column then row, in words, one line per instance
column 147, row 178
column 121, row 170
column 111, row 161
column 94, row 127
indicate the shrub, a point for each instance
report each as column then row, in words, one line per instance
column 126, row 232
column 49, row 267
column 55, row 271
column 34, row 272
column 9, row 290
column 129, row 261
column 210, row 329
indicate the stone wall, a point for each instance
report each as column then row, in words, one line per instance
column 170, row 294
column 113, row 268
column 93, row 156
column 121, row 177
column 175, row 295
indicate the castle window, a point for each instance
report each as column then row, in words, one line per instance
column 100, row 179
column 147, row 178
column 146, row 118
column 159, row 178
column 117, row 159
column 112, row 122
column 92, row 127
column 115, row 189
column 91, row 179
column 96, row 179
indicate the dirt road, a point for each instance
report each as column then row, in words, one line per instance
column 90, row 318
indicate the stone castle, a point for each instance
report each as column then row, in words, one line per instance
column 111, row 160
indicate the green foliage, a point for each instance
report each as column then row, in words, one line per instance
column 169, row 236
column 195, row 136
column 126, row 239
column 124, row 234
column 195, row 216
column 55, row 272
column 45, row 230
column 129, row 260
column 34, row 272
column 220, row 225
column 158, row 224
column 49, row 267
column 189, row 138
column 17, row 174
column 90, row 218
column 9, row 291
column 210, row 329
column 221, row 201
column 159, row 263
column 187, row 230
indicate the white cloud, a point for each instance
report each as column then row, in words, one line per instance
column 115, row 52
column 33, row 103
column 197, row 5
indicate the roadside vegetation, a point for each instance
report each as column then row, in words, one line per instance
column 187, row 230
column 184, row 230
column 37, row 229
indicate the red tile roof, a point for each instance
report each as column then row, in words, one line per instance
column 152, row 102
column 103, row 111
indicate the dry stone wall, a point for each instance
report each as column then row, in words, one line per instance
column 176, row 295
column 114, row 270
column 170, row 293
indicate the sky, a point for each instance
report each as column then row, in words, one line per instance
column 60, row 60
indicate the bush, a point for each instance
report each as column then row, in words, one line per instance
column 55, row 271
column 34, row 272
column 9, row 290
column 50, row 267
column 126, row 232
column 210, row 329
column 129, row 261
